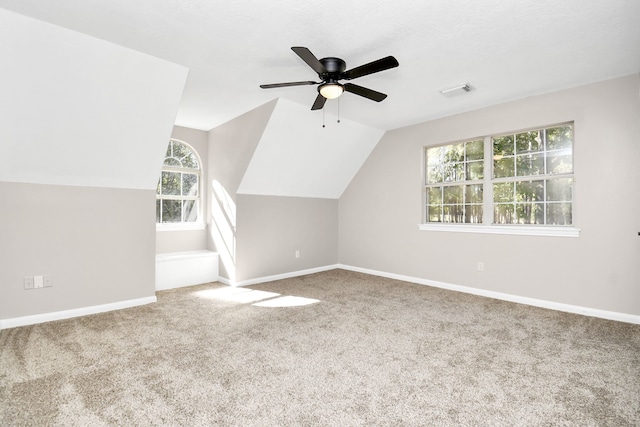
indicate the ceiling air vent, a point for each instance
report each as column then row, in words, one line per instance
column 457, row 90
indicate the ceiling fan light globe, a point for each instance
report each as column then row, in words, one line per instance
column 331, row 90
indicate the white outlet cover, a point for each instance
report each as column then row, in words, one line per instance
column 38, row 282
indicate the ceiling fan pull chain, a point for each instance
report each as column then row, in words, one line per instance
column 338, row 110
column 323, row 117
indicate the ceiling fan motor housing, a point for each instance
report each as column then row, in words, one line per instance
column 334, row 67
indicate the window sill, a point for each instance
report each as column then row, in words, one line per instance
column 191, row 226
column 504, row 229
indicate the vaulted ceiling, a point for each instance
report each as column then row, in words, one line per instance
column 504, row 49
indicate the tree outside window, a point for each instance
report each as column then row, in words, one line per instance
column 178, row 193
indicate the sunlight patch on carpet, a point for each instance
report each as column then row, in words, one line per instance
column 239, row 295
column 287, row 301
column 259, row 298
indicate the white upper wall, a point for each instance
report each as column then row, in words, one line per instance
column 81, row 111
column 298, row 157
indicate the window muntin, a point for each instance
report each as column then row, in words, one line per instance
column 178, row 193
column 530, row 181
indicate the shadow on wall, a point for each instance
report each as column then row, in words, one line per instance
column 223, row 230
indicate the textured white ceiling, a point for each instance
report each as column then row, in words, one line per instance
column 505, row 49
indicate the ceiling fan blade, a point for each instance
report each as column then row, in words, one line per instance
column 363, row 91
column 310, row 59
column 271, row 86
column 319, row 102
column 370, row 68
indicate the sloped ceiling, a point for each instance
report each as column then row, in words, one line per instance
column 505, row 49
column 297, row 156
column 80, row 111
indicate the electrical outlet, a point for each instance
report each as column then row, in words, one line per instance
column 480, row 266
column 38, row 282
column 48, row 281
column 297, row 254
column 28, row 282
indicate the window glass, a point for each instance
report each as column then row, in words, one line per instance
column 454, row 187
column 178, row 193
column 531, row 179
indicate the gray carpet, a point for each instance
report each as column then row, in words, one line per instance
column 370, row 352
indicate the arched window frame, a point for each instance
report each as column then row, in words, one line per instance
column 175, row 164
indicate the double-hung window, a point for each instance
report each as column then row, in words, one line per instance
column 178, row 195
column 514, row 179
column 455, row 174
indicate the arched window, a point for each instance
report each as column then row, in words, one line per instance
column 178, row 194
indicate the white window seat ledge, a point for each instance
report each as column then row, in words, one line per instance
column 179, row 269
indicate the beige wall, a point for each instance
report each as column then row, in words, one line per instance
column 381, row 209
column 96, row 243
column 231, row 147
column 257, row 236
column 271, row 229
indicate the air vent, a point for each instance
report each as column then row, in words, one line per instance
column 457, row 90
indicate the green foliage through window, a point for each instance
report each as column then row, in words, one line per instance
column 531, row 179
column 178, row 198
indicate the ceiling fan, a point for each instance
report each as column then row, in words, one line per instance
column 331, row 70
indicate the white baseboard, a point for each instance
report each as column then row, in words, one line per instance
column 586, row 311
column 277, row 276
column 76, row 312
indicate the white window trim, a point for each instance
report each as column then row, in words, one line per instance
column 514, row 229
column 486, row 228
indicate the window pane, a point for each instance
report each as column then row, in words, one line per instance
column 453, row 213
column 190, row 161
column 453, row 172
column 530, row 191
column 158, row 204
column 171, row 210
column 560, row 137
column 434, row 213
column 189, row 184
column 503, row 213
column 530, row 164
column 559, row 189
column 434, row 196
column 503, row 192
column 434, row 174
column 453, row 153
column 179, row 150
column 452, row 194
column 503, row 167
column 170, row 161
column 475, row 150
column 475, row 170
column 530, row 213
column 171, row 183
column 190, row 209
column 473, row 193
column 559, row 213
column 434, row 155
column 473, row 214
column 560, row 161
column 503, row 146
column 527, row 142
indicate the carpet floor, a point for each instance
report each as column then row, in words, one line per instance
column 336, row 348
